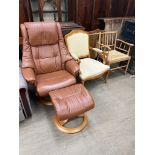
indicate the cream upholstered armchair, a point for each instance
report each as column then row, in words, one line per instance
column 112, row 50
column 78, row 45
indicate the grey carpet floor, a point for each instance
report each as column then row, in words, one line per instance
column 110, row 130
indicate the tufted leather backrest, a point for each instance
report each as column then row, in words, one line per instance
column 42, row 33
column 43, row 47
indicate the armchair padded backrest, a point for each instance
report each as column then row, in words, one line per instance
column 78, row 43
column 42, row 33
column 43, row 47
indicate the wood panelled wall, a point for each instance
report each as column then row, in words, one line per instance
column 25, row 12
column 86, row 12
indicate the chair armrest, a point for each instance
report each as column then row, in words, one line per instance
column 75, row 57
column 129, row 44
column 102, row 45
column 103, row 53
column 123, row 46
column 29, row 75
column 96, row 50
column 72, row 67
column 105, row 46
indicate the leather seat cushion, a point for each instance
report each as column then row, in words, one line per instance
column 90, row 68
column 71, row 101
column 54, row 80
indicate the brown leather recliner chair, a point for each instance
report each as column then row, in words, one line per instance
column 46, row 63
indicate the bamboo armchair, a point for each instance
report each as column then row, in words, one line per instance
column 112, row 50
column 77, row 42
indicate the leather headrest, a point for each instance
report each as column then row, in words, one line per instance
column 42, row 33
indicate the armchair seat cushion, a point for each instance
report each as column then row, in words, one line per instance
column 116, row 56
column 90, row 68
column 52, row 81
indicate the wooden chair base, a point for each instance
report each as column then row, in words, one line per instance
column 60, row 125
column 46, row 103
column 123, row 68
column 105, row 75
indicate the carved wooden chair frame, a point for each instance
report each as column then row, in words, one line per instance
column 88, row 56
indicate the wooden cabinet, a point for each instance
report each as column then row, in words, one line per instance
column 25, row 15
column 69, row 26
column 25, row 12
column 50, row 10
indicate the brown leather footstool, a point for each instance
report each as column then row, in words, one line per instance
column 71, row 102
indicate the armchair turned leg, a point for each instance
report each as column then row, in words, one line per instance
column 106, row 76
column 43, row 101
column 127, row 66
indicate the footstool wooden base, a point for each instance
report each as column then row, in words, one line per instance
column 71, row 102
column 60, row 124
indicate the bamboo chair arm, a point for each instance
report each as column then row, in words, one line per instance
column 102, row 45
column 122, row 46
column 105, row 46
column 129, row 44
column 96, row 50
column 103, row 53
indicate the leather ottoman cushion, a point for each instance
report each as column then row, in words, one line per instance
column 55, row 80
column 71, row 101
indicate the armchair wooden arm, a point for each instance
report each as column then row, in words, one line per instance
column 75, row 57
column 105, row 54
column 95, row 50
column 123, row 46
column 125, row 42
column 104, row 51
column 105, row 46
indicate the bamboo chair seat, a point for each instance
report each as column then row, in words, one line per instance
column 116, row 56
